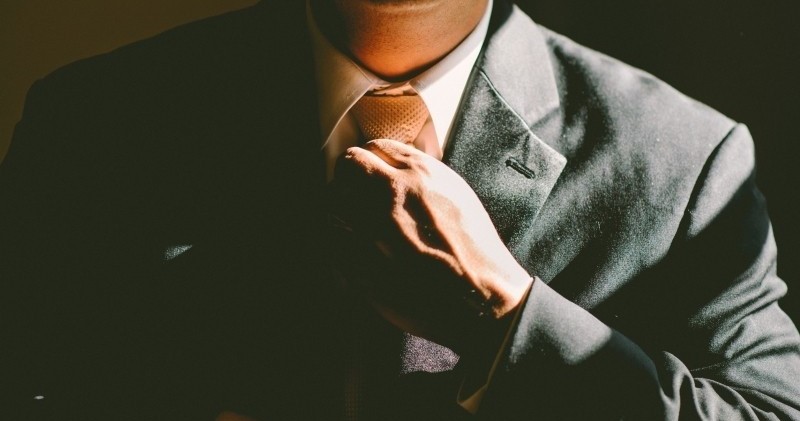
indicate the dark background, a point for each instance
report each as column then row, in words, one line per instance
column 741, row 57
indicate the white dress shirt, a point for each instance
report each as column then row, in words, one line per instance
column 341, row 82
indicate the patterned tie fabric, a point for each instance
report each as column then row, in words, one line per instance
column 421, row 355
column 391, row 374
column 398, row 117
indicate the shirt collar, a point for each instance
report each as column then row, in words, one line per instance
column 341, row 81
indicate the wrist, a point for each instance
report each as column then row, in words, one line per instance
column 506, row 295
column 491, row 329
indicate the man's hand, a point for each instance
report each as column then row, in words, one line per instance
column 443, row 263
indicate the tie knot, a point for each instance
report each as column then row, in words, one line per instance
column 398, row 117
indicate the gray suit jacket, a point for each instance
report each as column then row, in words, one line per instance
column 162, row 252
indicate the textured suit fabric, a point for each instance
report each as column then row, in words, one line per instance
column 162, row 255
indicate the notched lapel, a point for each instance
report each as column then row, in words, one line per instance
column 511, row 170
column 492, row 148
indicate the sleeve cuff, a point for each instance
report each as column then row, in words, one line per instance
column 469, row 397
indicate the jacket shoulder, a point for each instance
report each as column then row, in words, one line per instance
column 175, row 87
column 194, row 49
column 632, row 101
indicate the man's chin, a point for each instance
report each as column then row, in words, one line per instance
column 409, row 4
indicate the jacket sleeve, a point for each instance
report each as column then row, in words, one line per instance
column 565, row 363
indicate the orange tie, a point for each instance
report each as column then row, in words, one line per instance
column 398, row 117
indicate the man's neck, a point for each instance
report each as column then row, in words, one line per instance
column 397, row 39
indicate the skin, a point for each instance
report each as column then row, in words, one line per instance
column 395, row 38
column 433, row 229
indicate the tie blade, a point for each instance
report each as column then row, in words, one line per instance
column 420, row 354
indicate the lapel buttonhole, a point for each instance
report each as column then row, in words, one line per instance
column 518, row 166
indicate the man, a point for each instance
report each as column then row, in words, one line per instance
column 590, row 246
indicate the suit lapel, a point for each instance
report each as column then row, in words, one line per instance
column 512, row 87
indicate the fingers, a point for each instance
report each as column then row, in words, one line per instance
column 393, row 152
column 383, row 156
column 369, row 162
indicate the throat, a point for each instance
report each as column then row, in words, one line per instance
column 397, row 39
